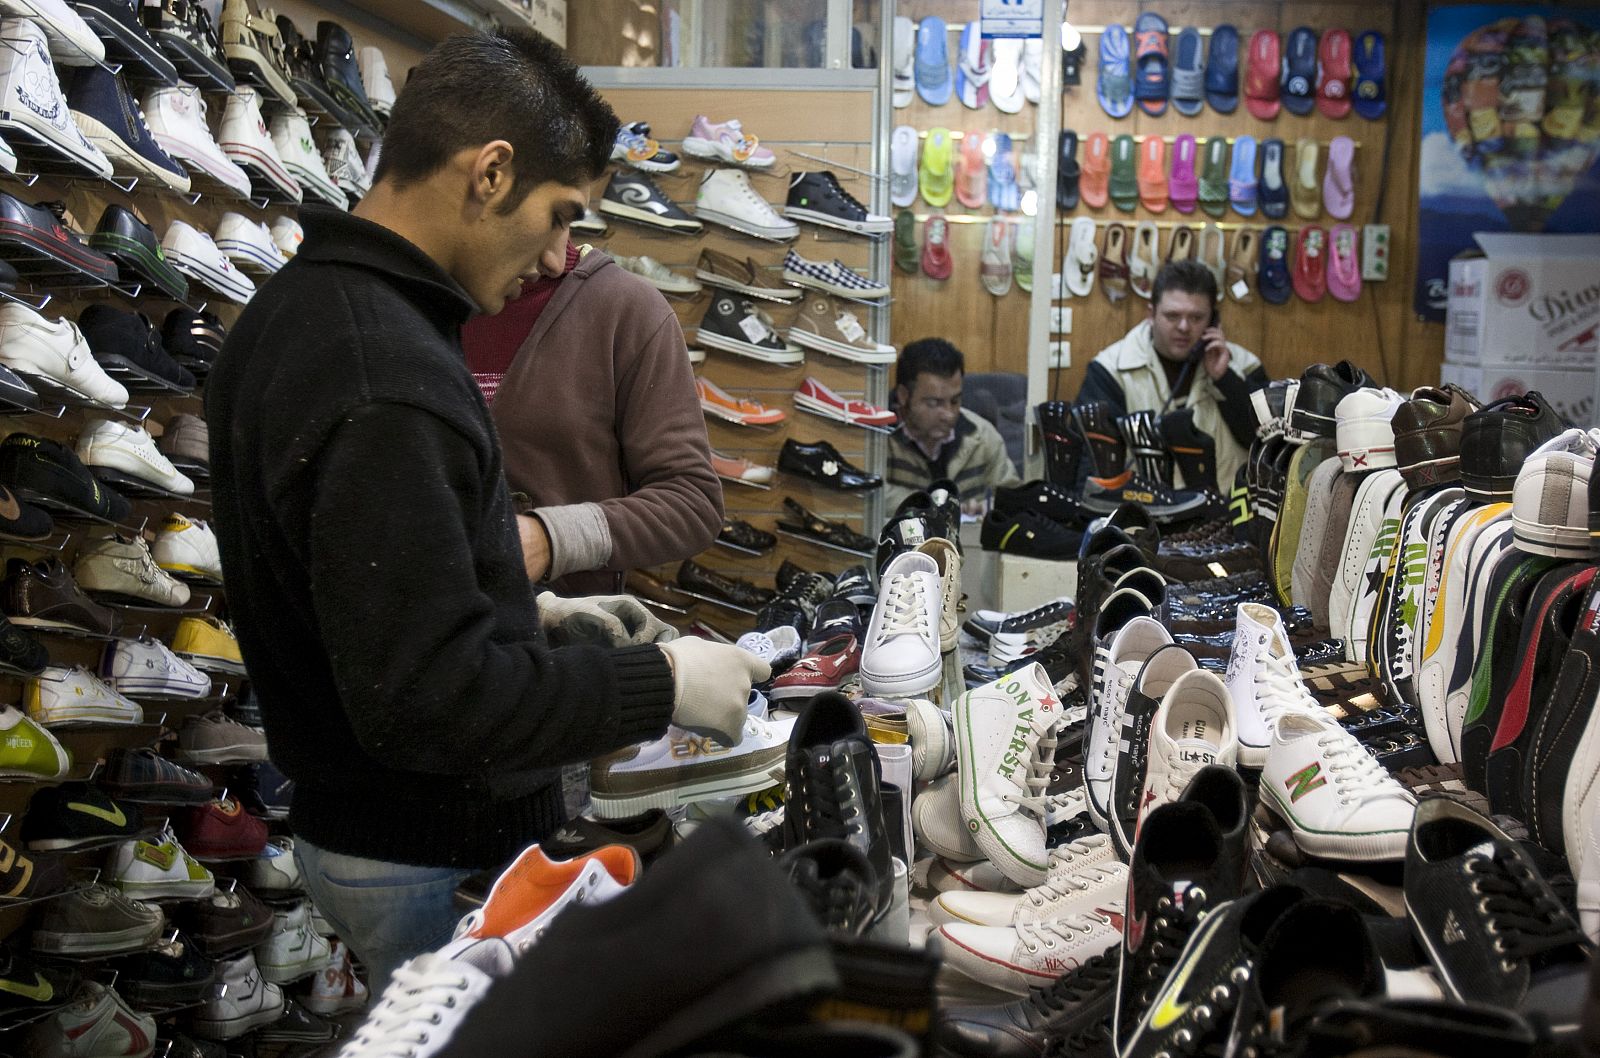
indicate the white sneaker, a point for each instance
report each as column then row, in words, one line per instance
column 1364, row 430
column 287, row 235
column 132, row 451
column 980, row 876
column 148, row 669
column 248, row 244
column 1367, row 596
column 72, row 42
column 1031, row 954
column 192, row 252
column 936, row 821
column 658, row 275
column 245, row 1003
column 188, row 549
column 55, row 350
column 776, row 647
column 1005, row 750
column 293, row 950
column 275, row 869
column 122, row 565
column 1193, row 727
column 73, row 696
column 1082, row 874
column 343, row 162
column 1349, row 582
column 428, row 998
column 291, row 135
column 726, row 198
column 244, row 140
column 152, row 870
column 375, row 79
column 336, row 988
column 31, row 99
column 680, row 768
column 1335, row 796
column 933, row 740
column 1550, row 503
column 1263, row 680
column 1116, row 665
column 96, row 1022
column 177, row 120
column 901, row 656
column 1485, row 557
column 534, row 890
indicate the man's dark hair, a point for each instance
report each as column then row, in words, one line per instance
column 928, row 356
column 511, row 85
column 1190, row 277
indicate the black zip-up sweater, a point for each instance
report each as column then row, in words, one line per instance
column 374, row 570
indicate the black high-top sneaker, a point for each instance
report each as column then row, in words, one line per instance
column 1107, row 452
column 1063, row 446
column 1322, row 386
column 832, row 788
column 1193, row 451
column 1152, row 463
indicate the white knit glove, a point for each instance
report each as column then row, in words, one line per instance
column 711, row 686
column 601, row 620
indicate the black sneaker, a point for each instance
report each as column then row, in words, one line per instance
column 834, row 617
column 28, row 988
column 50, row 474
column 298, row 1025
column 193, row 339
column 1057, row 614
column 735, row 325
column 1078, row 1000
column 819, row 461
column 1489, row 921
column 855, row 585
column 902, row 533
column 838, row 883
column 245, row 708
column 742, row 534
column 143, row 775
column 74, row 815
column 342, row 75
column 127, row 345
column 818, row 198
column 939, row 505
column 1322, row 386
column 306, row 78
column 20, row 651
column 1055, row 502
column 831, row 787
column 171, row 974
column 24, row 877
column 23, row 521
column 1063, row 445
column 1190, row 859
column 227, row 922
column 1419, row 1028
column 185, row 33
column 1498, row 439
column 631, row 195
column 180, row 1046
column 116, row 23
column 1028, row 534
column 1132, row 751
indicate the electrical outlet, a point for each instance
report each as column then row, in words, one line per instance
column 1060, row 355
column 1056, row 286
column 1376, row 250
column 1061, row 319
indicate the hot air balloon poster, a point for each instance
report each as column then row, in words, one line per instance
column 1510, row 131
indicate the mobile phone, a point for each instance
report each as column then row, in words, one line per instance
column 1199, row 347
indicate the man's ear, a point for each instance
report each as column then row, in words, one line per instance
column 902, row 396
column 491, row 172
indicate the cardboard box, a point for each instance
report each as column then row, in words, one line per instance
column 1570, row 391
column 1531, row 300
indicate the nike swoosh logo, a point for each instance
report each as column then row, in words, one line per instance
column 1167, row 1008
column 40, row 991
column 114, row 816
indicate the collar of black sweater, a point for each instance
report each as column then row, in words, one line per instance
column 336, row 236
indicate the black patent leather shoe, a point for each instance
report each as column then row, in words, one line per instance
column 838, row 534
column 740, row 533
column 34, row 241
column 343, row 75
column 128, row 241
column 822, row 463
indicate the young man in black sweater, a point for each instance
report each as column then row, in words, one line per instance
column 375, row 565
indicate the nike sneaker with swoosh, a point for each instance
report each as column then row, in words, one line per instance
column 74, row 815
column 98, row 1023
column 26, row 986
column 154, row 870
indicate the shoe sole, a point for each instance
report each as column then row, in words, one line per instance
column 827, row 220
column 155, row 689
column 131, row 162
column 207, row 662
column 133, row 468
column 106, row 716
column 165, row 276
column 645, row 217
column 733, row 416
column 134, row 938
column 1381, row 846
column 190, row 157
column 45, row 133
column 712, row 151
column 248, row 157
column 309, row 181
column 930, row 740
column 991, row 970
column 213, row 576
column 829, row 411
column 781, row 296
column 288, row 973
column 53, row 250
column 1557, row 541
column 849, row 293
column 228, row 1028
column 246, row 255
column 902, row 685
column 746, row 227
column 843, row 351
column 763, row 770
column 165, row 890
column 725, row 344
column 46, row 622
column 224, row 754
column 201, row 272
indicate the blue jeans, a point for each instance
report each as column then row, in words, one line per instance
column 386, row 912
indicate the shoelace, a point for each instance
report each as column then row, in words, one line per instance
column 905, row 608
column 1355, row 771
column 1060, row 886
column 1171, row 930
column 1111, row 707
column 1048, row 932
column 1279, row 688
column 1524, row 916
column 1090, row 977
column 1035, row 781
column 412, row 1008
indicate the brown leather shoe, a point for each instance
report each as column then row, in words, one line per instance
column 1427, row 434
column 44, row 595
column 692, row 576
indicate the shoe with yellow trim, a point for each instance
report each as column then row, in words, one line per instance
column 153, row 870
column 680, row 768
column 28, row 751
column 207, row 643
column 76, row 814
column 188, row 549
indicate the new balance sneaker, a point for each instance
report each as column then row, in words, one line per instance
column 834, row 277
column 726, row 198
column 144, row 775
column 429, row 997
column 1263, row 680
column 97, row 1023
column 55, row 350
column 177, row 120
column 292, row 950
column 108, row 116
column 248, row 244
column 1365, row 428
column 1083, row 873
column 681, row 768
column 1116, row 665
column 208, row 644
column 1338, row 800
column 248, row 1001
column 1005, row 750
column 1550, row 501
column 530, row 894
column 343, row 162
column 336, row 989
column 192, row 252
column 121, row 567
column 291, row 135
column 96, row 920
column 634, row 196
column 129, row 450
column 155, row 870
column 245, row 141
column 34, row 108
column 816, row 397
column 188, row 550
column 74, row 815
column 223, row 830
column 60, row 696
column 818, row 198
column 734, row 325
column 826, row 327
column 215, row 738
column 726, row 142
column 28, row 751
column 901, row 654
column 1032, row 953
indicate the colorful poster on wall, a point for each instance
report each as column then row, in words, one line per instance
column 1510, row 131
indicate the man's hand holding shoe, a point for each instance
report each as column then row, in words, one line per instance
column 601, row 620
column 711, row 686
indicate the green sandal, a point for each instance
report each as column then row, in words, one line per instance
column 1214, row 179
column 1124, row 181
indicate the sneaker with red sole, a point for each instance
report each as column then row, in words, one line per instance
column 818, row 399
column 223, row 830
column 822, row 669
column 530, row 893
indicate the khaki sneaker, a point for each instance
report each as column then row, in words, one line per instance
column 827, row 327
column 187, row 442
column 728, row 272
column 120, row 565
